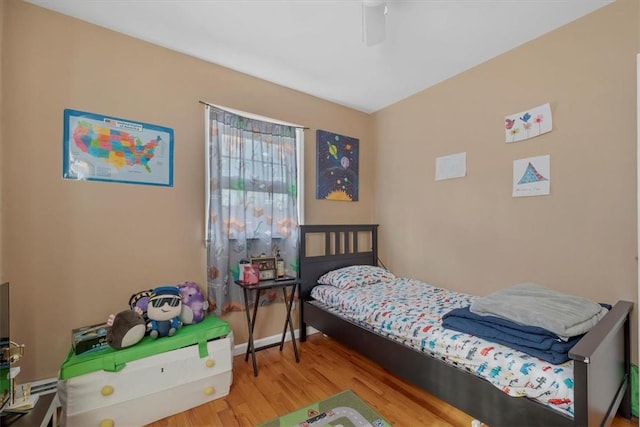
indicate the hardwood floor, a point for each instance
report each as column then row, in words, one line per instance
column 326, row 368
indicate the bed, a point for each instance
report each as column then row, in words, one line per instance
column 600, row 360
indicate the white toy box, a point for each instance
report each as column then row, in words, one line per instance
column 148, row 381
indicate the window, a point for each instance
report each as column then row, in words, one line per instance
column 253, row 201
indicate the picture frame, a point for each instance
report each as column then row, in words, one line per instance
column 266, row 266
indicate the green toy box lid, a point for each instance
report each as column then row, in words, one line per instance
column 111, row 360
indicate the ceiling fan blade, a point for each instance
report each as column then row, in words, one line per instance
column 373, row 21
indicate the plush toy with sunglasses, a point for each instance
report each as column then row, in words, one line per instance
column 163, row 311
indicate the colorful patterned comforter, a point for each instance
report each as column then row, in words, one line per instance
column 410, row 311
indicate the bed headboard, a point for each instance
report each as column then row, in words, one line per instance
column 327, row 247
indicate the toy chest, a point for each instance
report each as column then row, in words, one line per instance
column 148, row 381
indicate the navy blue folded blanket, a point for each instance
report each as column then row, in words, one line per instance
column 531, row 340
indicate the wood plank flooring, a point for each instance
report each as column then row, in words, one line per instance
column 326, row 368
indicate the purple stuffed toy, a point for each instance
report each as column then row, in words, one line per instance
column 194, row 305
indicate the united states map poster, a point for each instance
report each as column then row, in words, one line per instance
column 104, row 148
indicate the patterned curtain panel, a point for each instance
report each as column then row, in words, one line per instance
column 252, row 201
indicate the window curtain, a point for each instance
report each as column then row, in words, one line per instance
column 251, row 203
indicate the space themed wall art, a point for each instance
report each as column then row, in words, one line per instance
column 528, row 124
column 337, row 168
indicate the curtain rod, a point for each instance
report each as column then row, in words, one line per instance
column 263, row 119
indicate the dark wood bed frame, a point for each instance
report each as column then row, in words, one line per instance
column 601, row 359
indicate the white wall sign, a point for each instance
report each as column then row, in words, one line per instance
column 451, row 166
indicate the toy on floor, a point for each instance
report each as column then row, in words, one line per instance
column 194, row 305
column 125, row 329
column 165, row 306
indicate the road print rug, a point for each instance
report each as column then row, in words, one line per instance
column 344, row 409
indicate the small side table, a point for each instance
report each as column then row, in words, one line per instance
column 289, row 287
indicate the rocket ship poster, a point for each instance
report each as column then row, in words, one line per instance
column 337, row 168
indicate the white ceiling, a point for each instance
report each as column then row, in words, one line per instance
column 316, row 46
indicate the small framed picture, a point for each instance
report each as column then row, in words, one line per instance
column 249, row 274
column 267, row 267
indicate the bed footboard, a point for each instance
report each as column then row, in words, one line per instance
column 602, row 369
column 601, row 379
column 469, row 393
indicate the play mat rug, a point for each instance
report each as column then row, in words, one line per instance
column 344, row 409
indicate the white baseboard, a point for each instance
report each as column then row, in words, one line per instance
column 242, row 348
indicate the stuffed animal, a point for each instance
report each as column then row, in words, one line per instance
column 163, row 310
column 194, row 306
column 140, row 301
column 125, row 329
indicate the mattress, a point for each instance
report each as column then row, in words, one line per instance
column 410, row 311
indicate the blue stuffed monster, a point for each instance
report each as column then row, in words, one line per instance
column 163, row 311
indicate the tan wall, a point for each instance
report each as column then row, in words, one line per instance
column 468, row 233
column 76, row 251
column 2, row 278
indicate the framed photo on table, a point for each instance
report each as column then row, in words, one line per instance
column 267, row 267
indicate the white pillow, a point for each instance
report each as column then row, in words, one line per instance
column 355, row 275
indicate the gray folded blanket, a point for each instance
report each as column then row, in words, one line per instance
column 532, row 304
